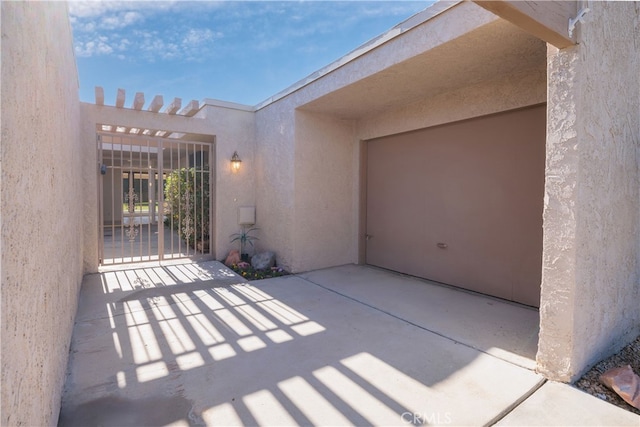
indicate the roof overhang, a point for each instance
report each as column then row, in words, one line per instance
column 551, row 21
column 488, row 49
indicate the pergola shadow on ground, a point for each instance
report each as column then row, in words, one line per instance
column 194, row 344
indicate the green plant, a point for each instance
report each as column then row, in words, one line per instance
column 186, row 192
column 246, row 271
column 244, row 237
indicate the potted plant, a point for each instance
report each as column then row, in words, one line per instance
column 244, row 237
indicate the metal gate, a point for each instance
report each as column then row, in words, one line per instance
column 155, row 199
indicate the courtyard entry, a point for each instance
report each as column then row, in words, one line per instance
column 462, row 203
column 155, row 199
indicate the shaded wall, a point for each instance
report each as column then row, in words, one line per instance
column 41, row 243
column 324, row 227
column 475, row 185
column 308, row 162
column 308, row 187
column 591, row 260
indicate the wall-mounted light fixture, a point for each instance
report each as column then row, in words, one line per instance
column 235, row 162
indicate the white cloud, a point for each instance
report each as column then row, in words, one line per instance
column 153, row 45
column 97, row 8
column 198, row 36
column 100, row 46
column 188, row 31
column 135, row 30
column 120, row 20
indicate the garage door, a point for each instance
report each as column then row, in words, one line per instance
column 462, row 203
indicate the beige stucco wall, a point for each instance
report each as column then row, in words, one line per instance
column 42, row 213
column 525, row 88
column 274, row 180
column 233, row 130
column 324, row 225
column 301, row 169
column 308, row 154
column 591, row 261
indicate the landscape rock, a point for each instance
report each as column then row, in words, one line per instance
column 624, row 382
column 590, row 381
column 263, row 260
column 233, row 258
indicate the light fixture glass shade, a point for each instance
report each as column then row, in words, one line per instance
column 235, row 161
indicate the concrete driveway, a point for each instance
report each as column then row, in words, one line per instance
column 194, row 344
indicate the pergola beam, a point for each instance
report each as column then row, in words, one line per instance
column 156, row 104
column 191, row 109
column 120, row 98
column 138, row 101
column 547, row 20
column 174, row 106
column 99, row 95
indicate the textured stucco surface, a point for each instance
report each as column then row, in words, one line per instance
column 302, row 157
column 233, row 130
column 591, row 261
column 275, row 128
column 325, row 203
column 308, row 142
column 41, row 209
column 525, row 88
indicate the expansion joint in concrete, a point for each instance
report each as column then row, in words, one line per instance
column 516, row 403
column 395, row 316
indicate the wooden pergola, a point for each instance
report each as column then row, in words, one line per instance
column 155, row 106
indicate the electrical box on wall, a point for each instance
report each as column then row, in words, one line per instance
column 246, row 215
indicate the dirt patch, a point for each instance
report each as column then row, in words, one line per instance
column 630, row 355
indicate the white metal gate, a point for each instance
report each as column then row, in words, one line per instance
column 155, row 200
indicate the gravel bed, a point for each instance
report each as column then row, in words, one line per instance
column 630, row 355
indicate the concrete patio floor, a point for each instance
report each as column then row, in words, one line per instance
column 194, row 344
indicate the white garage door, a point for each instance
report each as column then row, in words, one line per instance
column 462, row 203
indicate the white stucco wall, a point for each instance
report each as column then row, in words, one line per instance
column 233, row 129
column 591, row 261
column 274, row 182
column 324, row 225
column 41, row 257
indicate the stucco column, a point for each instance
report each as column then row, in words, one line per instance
column 559, row 251
column 591, row 246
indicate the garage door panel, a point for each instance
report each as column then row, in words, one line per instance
column 474, row 187
column 391, row 205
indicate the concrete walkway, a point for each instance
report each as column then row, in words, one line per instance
column 193, row 344
column 118, row 249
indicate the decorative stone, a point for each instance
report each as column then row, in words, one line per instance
column 233, row 258
column 263, row 260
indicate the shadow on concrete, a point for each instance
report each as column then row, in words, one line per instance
column 194, row 344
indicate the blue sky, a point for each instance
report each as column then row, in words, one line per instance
column 237, row 51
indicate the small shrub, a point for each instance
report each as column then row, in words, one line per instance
column 246, row 271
